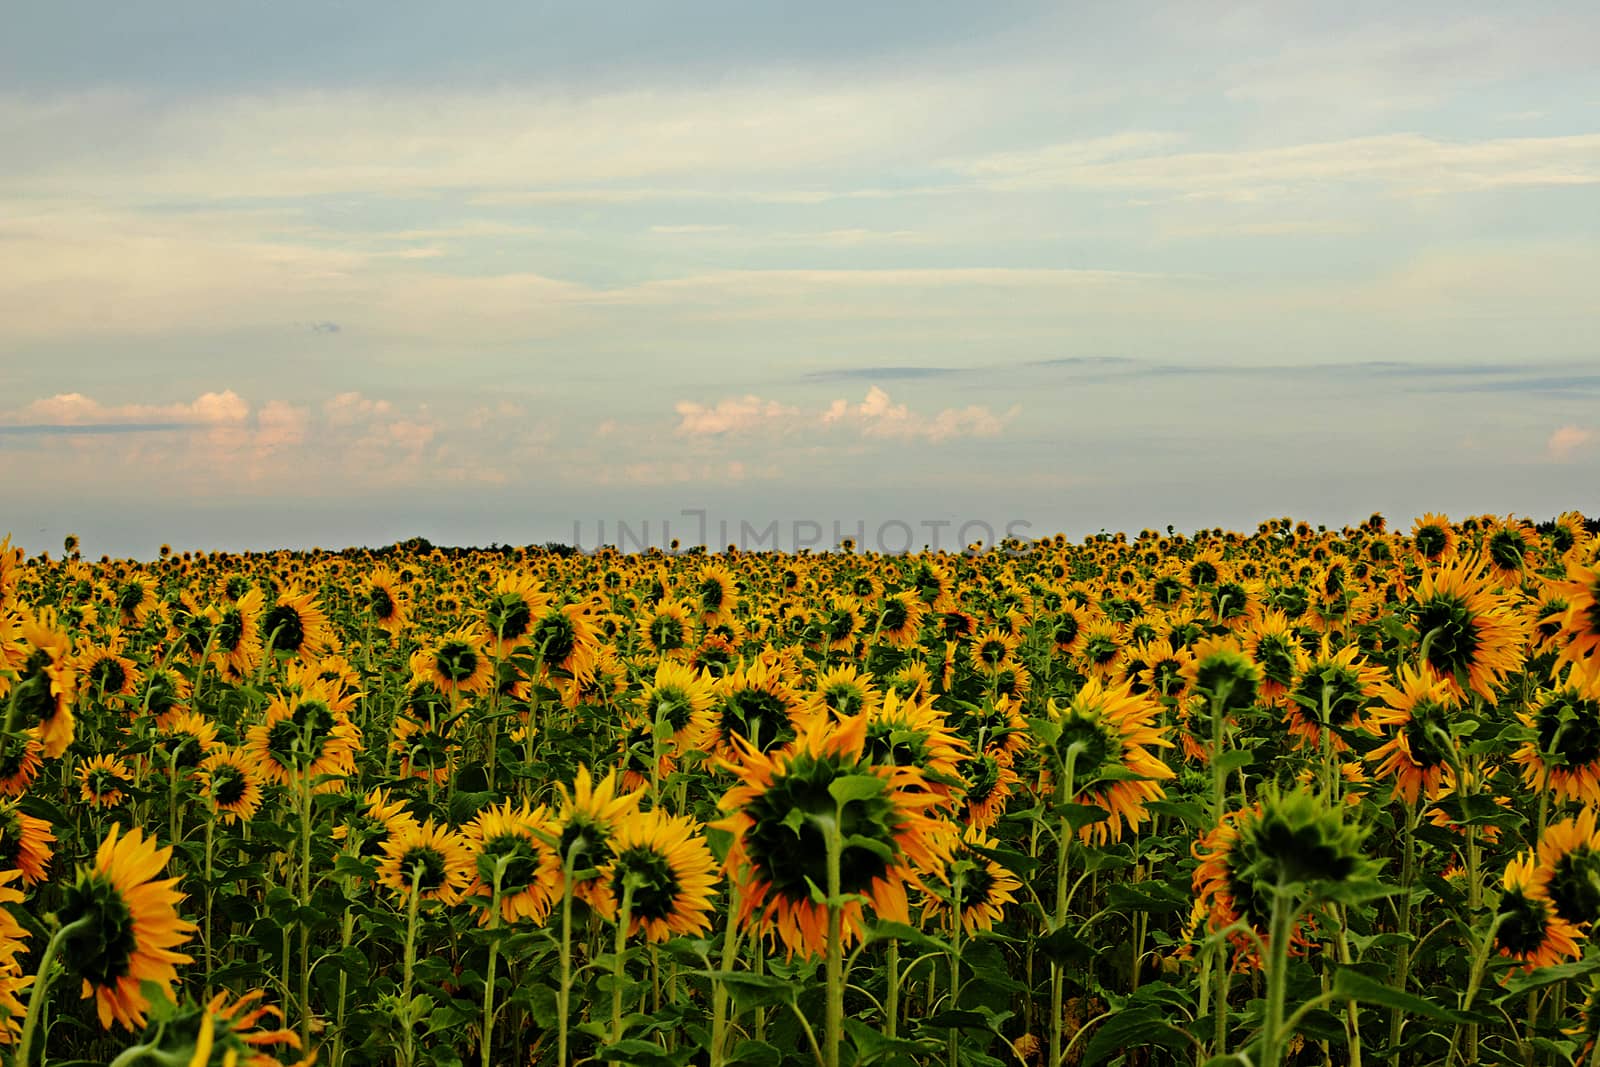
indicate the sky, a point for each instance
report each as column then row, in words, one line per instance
column 342, row 273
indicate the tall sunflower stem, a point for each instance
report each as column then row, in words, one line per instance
column 891, row 995
column 1058, row 974
column 619, row 961
column 305, row 909
column 413, row 901
column 1273, row 1038
column 494, row 957
column 719, row 991
column 564, row 990
column 833, row 1018
column 44, row 978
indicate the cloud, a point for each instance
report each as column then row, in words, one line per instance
column 76, row 410
column 1568, row 441
column 736, row 415
column 875, row 416
column 1408, row 164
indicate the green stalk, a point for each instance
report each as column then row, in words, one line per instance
column 719, row 991
column 891, row 998
column 1273, row 1037
column 45, row 978
column 305, row 909
column 408, row 1052
column 564, row 990
column 619, row 970
column 833, row 1018
column 494, row 957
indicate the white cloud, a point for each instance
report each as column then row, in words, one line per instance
column 735, row 415
column 874, row 416
column 1568, row 441
column 75, row 409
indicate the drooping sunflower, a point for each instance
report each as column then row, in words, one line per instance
column 1469, row 634
column 21, row 757
column 1569, row 862
column 516, row 842
column 913, row 733
column 136, row 599
column 426, row 746
column 303, row 736
column 373, row 822
column 844, row 691
column 25, row 843
column 102, row 781
column 13, row 980
column 1275, row 649
column 1433, row 538
column 564, row 640
column 1529, row 930
column 1418, row 712
column 900, row 619
column 387, row 601
column 1564, row 754
column 666, row 630
column 46, row 682
column 1509, row 546
column 125, row 926
column 436, row 861
column 979, row 887
column 105, row 674
column 586, row 822
column 1580, row 626
column 993, row 726
column 779, row 853
column 187, row 739
column 1102, row 644
column 296, row 625
column 231, row 1034
column 1569, row 535
column 458, row 662
column 232, row 784
column 1102, row 735
column 665, row 870
column 515, row 602
column 1333, row 692
column 989, row 784
column 1156, row 667
column 681, row 698
column 715, row 593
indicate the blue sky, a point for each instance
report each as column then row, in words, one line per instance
column 313, row 273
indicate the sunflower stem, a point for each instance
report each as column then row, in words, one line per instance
column 619, row 961
column 305, row 909
column 833, row 1019
column 1273, row 1037
column 719, row 991
column 891, row 999
column 44, row 978
column 564, row 991
column 1058, row 974
column 494, row 957
column 407, row 1045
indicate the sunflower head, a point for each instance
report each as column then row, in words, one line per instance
column 1297, row 838
column 1222, row 676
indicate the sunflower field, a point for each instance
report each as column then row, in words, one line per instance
column 1298, row 796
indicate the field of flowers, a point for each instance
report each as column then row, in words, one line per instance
column 1295, row 796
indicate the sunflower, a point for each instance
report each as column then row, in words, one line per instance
column 681, row 698
column 912, row 681
column 844, row 691
column 989, row 783
column 991, row 649
column 427, row 747
column 373, row 822
column 586, row 822
column 296, row 625
column 12, row 936
column 1508, row 546
column 995, row 726
column 664, row 870
column 124, row 925
column 25, row 843
column 913, row 733
column 516, row 842
column 187, row 738
column 931, row 583
column 564, row 640
column 514, row 603
column 1433, row 538
column 165, row 694
column 1469, row 634
column 1580, row 626
column 1332, row 692
column 386, row 599
column 667, row 630
column 101, row 781
column 46, row 683
column 1102, row 644
column 1287, row 837
column 714, row 593
column 778, row 854
column 1529, row 929
column 21, row 757
column 227, row 1034
column 900, row 619
column 1101, row 746
column 135, row 599
column 1419, row 712
column 437, row 861
column 1569, row 535
column 106, row 674
column 755, row 703
column 1564, row 754
column 303, row 736
column 457, row 662
column 1569, row 862
column 1275, row 649
column 231, row 783
column 1067, row 630
column 1156, row 667
column 981, row 885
